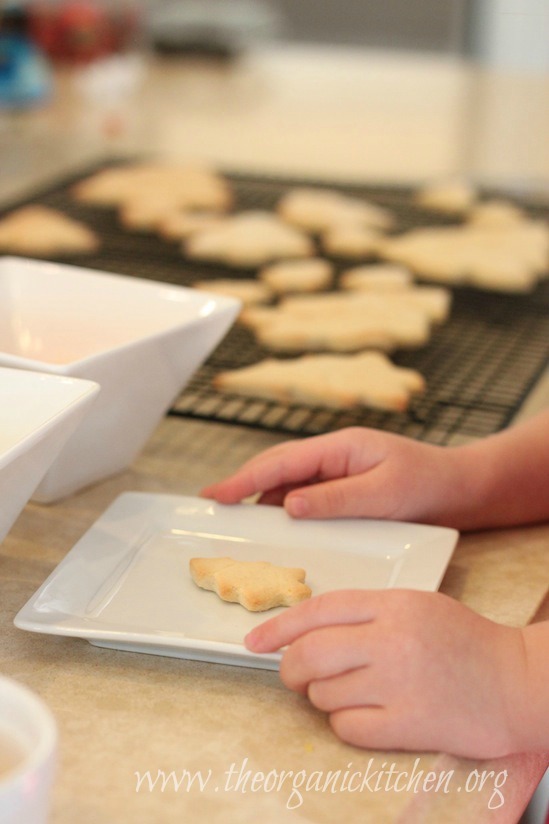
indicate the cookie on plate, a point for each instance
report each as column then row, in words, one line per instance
column 256, row 585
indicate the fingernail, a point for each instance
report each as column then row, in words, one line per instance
column 296, row 506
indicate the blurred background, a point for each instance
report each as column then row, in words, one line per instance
column 509, row 32
column 512, row 33
column 390, row 89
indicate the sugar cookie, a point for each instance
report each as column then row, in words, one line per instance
column 306, row 275
column 350, row 241
column 379, row 277
column 256, row 585
column 249, row 239
column 507, row 258
column 339, row 381
column 452, row 197
column 40, row 230
column 316, row 210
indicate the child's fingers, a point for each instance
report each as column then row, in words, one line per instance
column 231, row 489
column 288, row 464
column 359, row 687
column 378, row 728
column 368, row 495
column 400, row 726
column 228, row 491
column 324, row 653
column 275, row 497
column 338, row 607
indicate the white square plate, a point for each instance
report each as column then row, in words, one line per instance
column 126, row 583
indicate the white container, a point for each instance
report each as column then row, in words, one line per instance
column 38, row 413
column 28, row 749
column 140, row 341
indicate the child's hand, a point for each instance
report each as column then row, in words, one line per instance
column 354, row 472
column 398, row 669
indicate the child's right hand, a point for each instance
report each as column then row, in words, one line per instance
column 351, row 473
column 399, row 669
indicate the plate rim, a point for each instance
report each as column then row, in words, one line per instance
column 28, row 618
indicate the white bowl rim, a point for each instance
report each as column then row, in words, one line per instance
column 222, row 304
column 48, row 738
column 88, row 387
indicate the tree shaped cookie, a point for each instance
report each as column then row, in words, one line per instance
column 256, row 585
column 339, row 381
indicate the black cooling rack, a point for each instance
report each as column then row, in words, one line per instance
column 479, row 366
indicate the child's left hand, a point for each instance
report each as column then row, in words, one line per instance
column 399, row 669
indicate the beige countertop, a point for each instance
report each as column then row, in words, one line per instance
column 119, row 713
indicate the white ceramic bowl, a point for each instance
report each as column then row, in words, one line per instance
column 28, row 751
column 38, row 413
column 139, row 340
